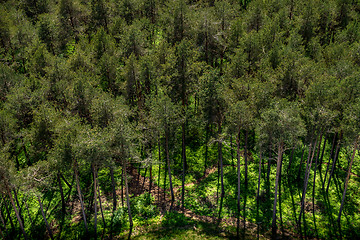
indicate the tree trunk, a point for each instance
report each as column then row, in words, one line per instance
column 2, row 217
column 44, row 217
column 245, row 157
column 184, row 164
column 346, row 182
column 331, row 154
column 100, row 205
column 127, row 198
column 122, row 187
column 61, row 194
column 9, row 215
column 334, row 162
column 18, row 205
column 113, row 188
column 312, row 151
column 221, row 173
column 322, row 155
column 95, row 200
column 159, row 169
column 81, row 200
column 259, row 179
column 27, row 209
column 169, row 168
column 291, row 159
column 151, row 179
column 16, row 211
column 238, row 184
column 314, row 180
column 278, row 164
column 206, row 147
column 67, row 183
column 301, row 162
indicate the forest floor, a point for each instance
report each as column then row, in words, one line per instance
column 140, row 184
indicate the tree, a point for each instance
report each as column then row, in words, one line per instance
column 281, row 126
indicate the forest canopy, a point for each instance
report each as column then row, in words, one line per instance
column 180, row 119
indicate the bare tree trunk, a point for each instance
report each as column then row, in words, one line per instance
column 346, row 182
column 331, row 154
column 314, row 180
column 100, row 205
column 159, row 147
column 95, row 200
column 113, row 188
column 312, row 150
column 61, row 194
column 81, row 200
column 2, row 216
column 206, row 147
column 28, row 212
column 9, row 215
column 184, row 164
column 122, row 187
column 18, row 205
column 334, row 162
column 44, row 217
column 245, row 157
column 169, row 168
column 238, row 184
column 127, row 198
column 322, row 154
column 278, row 164
column 16, row 211
column 221, row 173
column 151, row 179
column 291, row 159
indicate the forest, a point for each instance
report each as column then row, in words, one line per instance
column 180, row 119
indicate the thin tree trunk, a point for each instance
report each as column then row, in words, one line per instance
column 334, row 162
column 18, row 205
column 95, row 200
column 61, row 194
column 2, row 217
column 346, row 182
column 169, row 168
column 331, row 154
column 221, row 173
column 322, row 155
column 232, row 150
column 159, row 148
column 314, row 180
column 291, row 159
column 278, row 164
column 238, row 184
column 16, row 212
column 312, row 151
column 113, row 188
column 127, row 199
column 67, row 183
column 259, row 179
column 245, row 157
column 28, row 212
column 44, row 217
column 81, row 200
column 301, row 162
column 122, row 187
column 151, row 179
column 9, row 215
column 100, row 205
column 258, row 195
column 184, row 164
column 206, row 147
